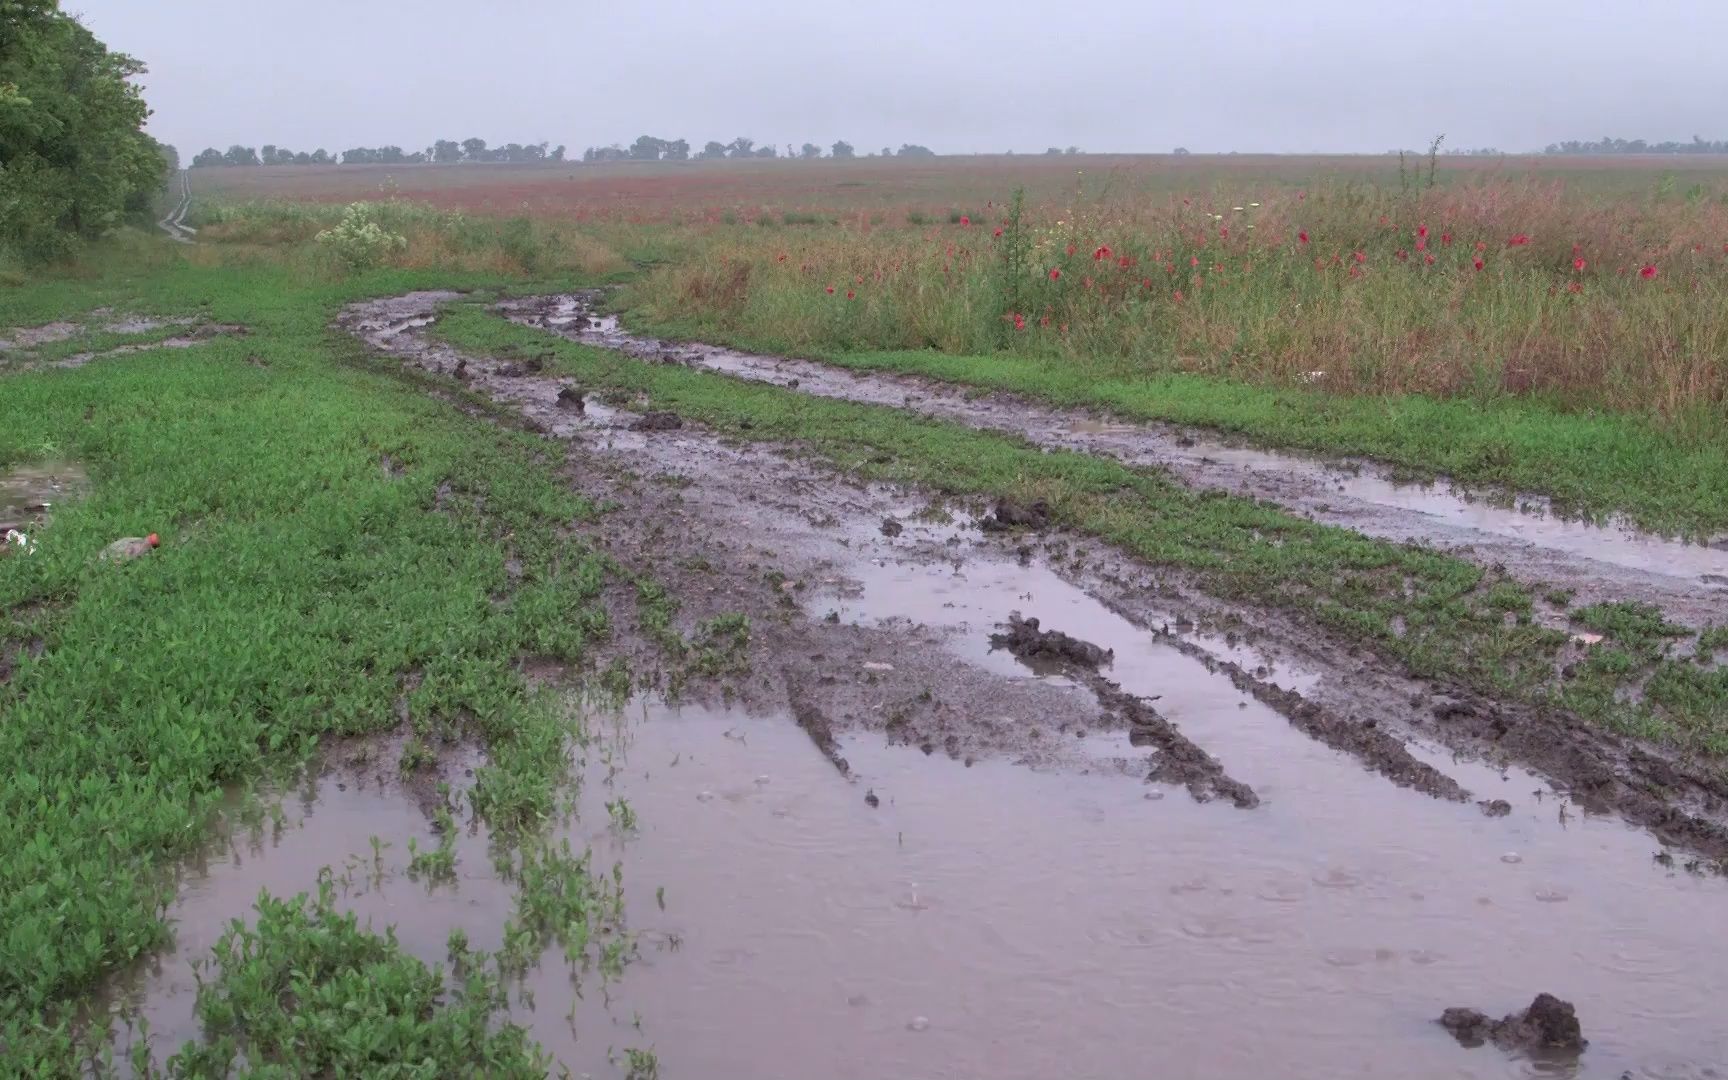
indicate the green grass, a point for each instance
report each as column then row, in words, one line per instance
column 1437, row 614
column 1590, row 464
column 332, row 541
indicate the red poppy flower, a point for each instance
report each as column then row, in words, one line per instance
column 1361, row 256
column 781, row 257
column 1648, row 272
column 859, row 280
column 998, row 231
column 1302, row 237
column 1445, row 238
column 1402, row 254
column 965, row 220
column 1355, row 271
column 1481, row 245
column 1224, row 233
column 1518, row 240
column 1124, row 262
column 1070, row 249
column 1428, row 258
column 1146, row 283
column 1574, row 286
column 1193, row 260
column 1177, row 296
column 1019, row 322
column 1579, row 264
column 850, row 295
column 1421, row 245
column 1421, row 232
column 830, row 290
column 1477, row 264
column 1102, row 253
column 1055, row 274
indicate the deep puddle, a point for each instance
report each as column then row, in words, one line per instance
column 997, row 921
column 1355, row 494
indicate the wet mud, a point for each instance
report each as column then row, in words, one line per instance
column 16, row 356
column 1605, row 562
column 741, row 527
column 29, row 492
column 1548, row 1026
column 1001, row 921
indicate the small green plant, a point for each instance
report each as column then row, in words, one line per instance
column 622, row 814
column 358, row 241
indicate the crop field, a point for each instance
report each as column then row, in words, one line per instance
column 999, row 616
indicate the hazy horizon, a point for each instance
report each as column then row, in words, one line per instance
column 961, row 78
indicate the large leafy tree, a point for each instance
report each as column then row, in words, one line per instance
column 74, row 159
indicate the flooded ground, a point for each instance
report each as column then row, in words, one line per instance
column 998, row 921
column 30, row 491
column 1609, row 560
column 907, row 852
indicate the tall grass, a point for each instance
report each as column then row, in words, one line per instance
column 1493, row 288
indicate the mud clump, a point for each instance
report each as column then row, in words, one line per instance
column 1549, row 1024
column 1495, row 807
column 890, row 527
column 658, row 421
column 570, row 397
column 1009, row 515
column 1025, row 640
column 1178, row 761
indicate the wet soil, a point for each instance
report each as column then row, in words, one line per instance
column 746, row 528
column 30, row 491
column 1549, row 1025
column 999, row 921
column 16, row 356
column 1597, row 562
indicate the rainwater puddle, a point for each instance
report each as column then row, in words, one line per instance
column 29, row 492
column 1305, row 484
column 996, row 921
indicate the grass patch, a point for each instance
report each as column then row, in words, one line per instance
column 335, row 546
column 1437, row 614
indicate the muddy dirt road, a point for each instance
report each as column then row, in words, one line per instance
column 1599, row 562
column 890, row 845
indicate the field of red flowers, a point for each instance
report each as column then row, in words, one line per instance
column 1589, row 283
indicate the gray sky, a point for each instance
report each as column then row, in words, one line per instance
column 957, row 75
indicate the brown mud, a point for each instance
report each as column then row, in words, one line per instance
column 816, row 536
column 1596, row 562
column 1006, row 922
column 30, row 491
column 1548, row 1026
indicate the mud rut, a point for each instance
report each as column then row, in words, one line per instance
column 872, row 610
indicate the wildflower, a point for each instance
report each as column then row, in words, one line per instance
column 1355, row 271
column 1579, row 264
column 998, row 231
column 1481, row 245
column 859, row 280
column 965, row 220
column 1477, row 263
column 1574, row 286
column 1224, row 233
column 1302, row 237
column 1384, row 220
column 830, row 290
column 1648, row 272
column 1177, row 296
column 1070, row 250
column 781, row 257
column 1236, row 209
column 1361, row 256
column 1193, row 260
column 1055, row 274
column 1146, row 283
column 1421, row 245
column 850, row 295
column 1102, row 253
column 1019, row 321
column 1044, row 321
column 1445, row 238
column 1421, row 232
column 1428, row 258
column 1518, row 240
column 1402, row 254
column 1124, row 262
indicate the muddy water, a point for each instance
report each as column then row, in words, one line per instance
column 997, row 921
column 29, row 492
column 1357, row 494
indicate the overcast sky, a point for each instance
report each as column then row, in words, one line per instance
column 957, row 75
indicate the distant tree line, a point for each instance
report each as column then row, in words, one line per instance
column 74, row 159
column 653, row 148
column 444, row 151
column 1638, row 146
